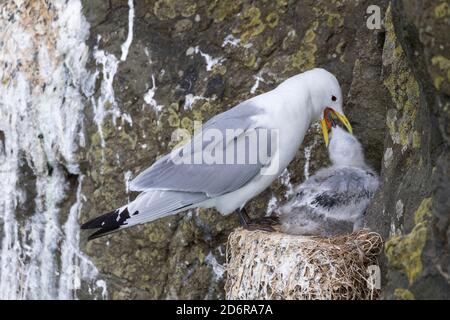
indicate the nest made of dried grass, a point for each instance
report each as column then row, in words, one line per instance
column 263, row 265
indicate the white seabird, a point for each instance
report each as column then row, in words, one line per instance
column 171, row 186
column 332, row 201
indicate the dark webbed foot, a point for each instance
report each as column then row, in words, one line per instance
column 265, row 223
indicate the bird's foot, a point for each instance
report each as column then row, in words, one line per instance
column 264, row 224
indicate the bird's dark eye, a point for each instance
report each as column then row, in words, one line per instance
column 333, row 98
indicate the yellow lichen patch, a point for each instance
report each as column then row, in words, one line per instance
column 219, row 69
column 340, row 47
column 403, row 294
column 248, row 58
column 442, row 10
column 391, row 119
column 187, row 123
column 127, row 139
column 405, row 252
column 403, row 88
column 304, row 58
column 189, row 10
column 438, row 82
column 252, row 24
column 174, row 118
column 289, row 40
column 269, row 42
column 272, row 19
column 169, row 9
column 332, row 18
column 197, row 115
column 424, row 211
column 156, row 234
column 406, row 123
column 164, row 9
column 221, row 9
column 206, row 106
column 282, row 3
column 443, row 64
column 416, row 140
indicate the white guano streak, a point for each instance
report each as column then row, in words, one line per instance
column 209, row 60
column 106, row 103
column 126, row 45
column 42, row 80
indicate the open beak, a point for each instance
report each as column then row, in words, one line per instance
column 330, row 116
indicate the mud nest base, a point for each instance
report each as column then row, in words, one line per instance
column 262, row 265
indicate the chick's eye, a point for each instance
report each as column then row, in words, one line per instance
column 333, row 98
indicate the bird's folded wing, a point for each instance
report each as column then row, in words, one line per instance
column 230, row 130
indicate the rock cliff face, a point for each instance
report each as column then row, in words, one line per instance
column 155, row 68
column 188, row 61
column 412, row 209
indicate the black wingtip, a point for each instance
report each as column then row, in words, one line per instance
column 107, row 223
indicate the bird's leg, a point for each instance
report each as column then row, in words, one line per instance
column 244, row 219
column 264, row 224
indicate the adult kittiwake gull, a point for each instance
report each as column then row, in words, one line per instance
column 224, row 165
column 332, row 201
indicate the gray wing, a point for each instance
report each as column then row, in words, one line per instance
column 211, row 179
column 334, row 188
column 155, row 204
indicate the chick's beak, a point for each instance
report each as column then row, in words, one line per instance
column 328, row 121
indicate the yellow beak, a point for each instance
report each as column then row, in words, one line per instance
column 326, row 126
column 323, row 122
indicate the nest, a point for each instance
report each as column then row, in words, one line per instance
column 262, row 265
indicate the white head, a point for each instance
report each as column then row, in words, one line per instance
column 345, row 149
column 324, row 90
column 324, row 96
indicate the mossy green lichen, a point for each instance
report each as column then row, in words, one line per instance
column 249, row 58
column 403, row 294
column 251, row 25
column 442, row 10
column 272, row 19
column 305, row 58
column 405, row 251
column 170, row 9
column 174, row 118
column 222, row 9
column 332, row 18
column 269, row 42
column 164, row 9
column 416, row 140
column 189, row 10
column 423, row 212
column 219, row 69
column 289, row 39
column 438, row 80
column 402, row 87
column 340, row 47
column 443, row 64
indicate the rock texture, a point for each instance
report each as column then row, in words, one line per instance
column 156, row 68
column 413, row 198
